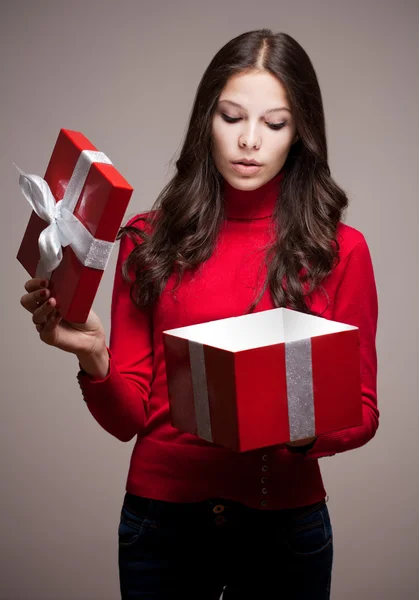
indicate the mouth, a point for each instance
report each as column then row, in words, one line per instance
column 247, row 163
column 246, row 168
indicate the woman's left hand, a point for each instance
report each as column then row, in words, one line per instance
column 303, row 442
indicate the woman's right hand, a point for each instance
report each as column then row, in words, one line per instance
column 77, row 338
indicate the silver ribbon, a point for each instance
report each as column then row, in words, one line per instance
column 200, row 390
column 64, row 228
column 300, row 389
column 299, row 380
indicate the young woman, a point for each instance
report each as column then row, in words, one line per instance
column 224, row 239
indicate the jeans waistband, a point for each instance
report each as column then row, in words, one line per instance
column 141, row 505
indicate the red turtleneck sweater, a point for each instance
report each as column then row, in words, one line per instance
column 132, row 399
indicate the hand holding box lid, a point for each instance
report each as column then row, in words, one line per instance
column 77, row 210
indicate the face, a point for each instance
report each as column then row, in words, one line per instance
column 252, row 120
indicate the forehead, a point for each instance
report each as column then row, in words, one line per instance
column 258, row 89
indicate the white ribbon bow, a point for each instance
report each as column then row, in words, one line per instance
column 64, row 228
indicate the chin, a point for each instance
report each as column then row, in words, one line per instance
column 247, row 182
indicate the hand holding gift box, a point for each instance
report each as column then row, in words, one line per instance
column 77, row 210
column 263, row 379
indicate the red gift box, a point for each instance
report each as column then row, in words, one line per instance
column 263, row 379
column 82, row 201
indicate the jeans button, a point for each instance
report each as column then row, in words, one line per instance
column 218, row 509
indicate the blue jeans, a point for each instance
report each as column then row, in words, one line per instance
column 202, row 550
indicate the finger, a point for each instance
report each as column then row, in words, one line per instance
column 40, row 315
column 33, row 300
column 52, row 320
column 34, row 284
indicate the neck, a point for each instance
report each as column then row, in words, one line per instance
column 252, row 204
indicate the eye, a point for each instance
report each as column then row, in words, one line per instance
column 275, row 126
column 229, row 119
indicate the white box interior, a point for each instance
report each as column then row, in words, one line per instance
column 259, row 329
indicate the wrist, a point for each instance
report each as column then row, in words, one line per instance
column 301, row 447
column 302, row 442
column 95, row 363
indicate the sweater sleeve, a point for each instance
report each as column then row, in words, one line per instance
column 119, row 402
column 356, row 303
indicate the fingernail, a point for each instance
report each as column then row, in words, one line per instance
column 44, row 283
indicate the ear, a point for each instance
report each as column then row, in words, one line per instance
column 296, row 138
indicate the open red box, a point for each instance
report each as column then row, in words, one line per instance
column 263, row 379
column 100, row 199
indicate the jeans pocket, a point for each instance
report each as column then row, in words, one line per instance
column 132, row 524
column 310, row 533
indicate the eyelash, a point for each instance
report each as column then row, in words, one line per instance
column 275, row 126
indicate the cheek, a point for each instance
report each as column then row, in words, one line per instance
column 284, row 144
column 219, row 141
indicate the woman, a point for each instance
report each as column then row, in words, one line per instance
column 222, row 240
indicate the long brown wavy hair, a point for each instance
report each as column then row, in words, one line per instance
column 186, row 216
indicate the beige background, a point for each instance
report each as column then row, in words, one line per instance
column 125, row 74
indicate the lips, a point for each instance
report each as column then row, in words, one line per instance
column 245, row 169
column 245, row 162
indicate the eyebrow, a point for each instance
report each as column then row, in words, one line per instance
column 271, row 110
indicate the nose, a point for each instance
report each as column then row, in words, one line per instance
column 250, row 139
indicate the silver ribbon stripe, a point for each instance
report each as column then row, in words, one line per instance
column 300, row 395
column 200, row 390
column 64, row 228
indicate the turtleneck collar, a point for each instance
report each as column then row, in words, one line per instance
column 252, row 204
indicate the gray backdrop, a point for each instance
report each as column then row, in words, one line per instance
column 125, row 74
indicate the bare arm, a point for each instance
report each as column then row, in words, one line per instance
column 95, row 364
